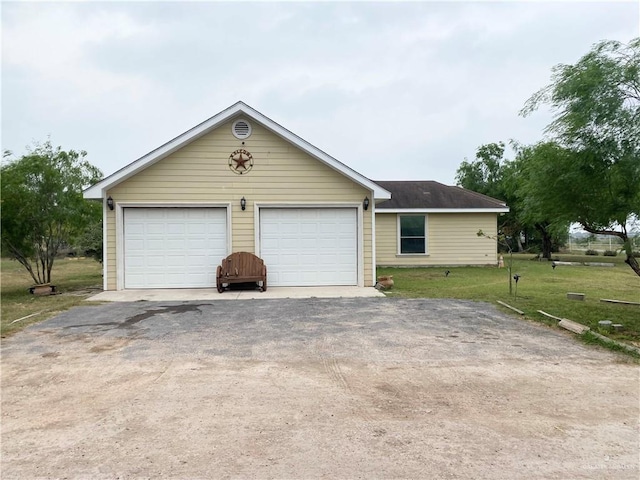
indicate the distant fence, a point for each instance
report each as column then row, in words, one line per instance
column 599, row 246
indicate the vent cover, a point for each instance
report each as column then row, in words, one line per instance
column 241, row 129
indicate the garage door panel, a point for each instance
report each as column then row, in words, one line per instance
column 308, row 260
column 197, row 228
column 312, row 277
column 343, row 259
column 174, row 277
column 288, row 259
column 268, row 230
column 197, row 278
column 155, row 228
column 173, row 244
column 173, row 247
column 287, row 244
column 315, row 246
column 325, row 276
column 344, row 243
column 155, row 244
column 135, row 277
column 309, row 229
column 288, row 228
column 269, row 243
column 307, row 244
column 155, row 261
column 175, row 228
column 329, row 259
column 287, row 277
column 196, row 243
column 136, row 244
column 200, row 262
column 136, row 261
column 346, row 230
column 136, row 229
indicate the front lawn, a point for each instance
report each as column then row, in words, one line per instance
column 75, row 279
column 540, row 287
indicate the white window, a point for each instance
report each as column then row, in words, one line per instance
column 412, row 234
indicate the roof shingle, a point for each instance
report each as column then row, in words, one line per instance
column 429, row 194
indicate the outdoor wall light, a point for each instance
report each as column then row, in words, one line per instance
column 110, row 203
column 243, row 204
column 365, row 203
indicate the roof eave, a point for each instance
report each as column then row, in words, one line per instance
column 443, row 210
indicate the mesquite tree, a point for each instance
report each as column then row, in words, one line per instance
column 590, row 174
column 42, row 205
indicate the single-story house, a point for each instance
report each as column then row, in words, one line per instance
column 241, row 182
column 427, row 223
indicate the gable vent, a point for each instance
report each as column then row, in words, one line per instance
column 241, row 129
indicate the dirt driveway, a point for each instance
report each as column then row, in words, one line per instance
column 316, row 388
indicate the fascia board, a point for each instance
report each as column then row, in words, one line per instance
column 442, row 210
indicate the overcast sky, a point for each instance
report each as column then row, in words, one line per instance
column 396, row 91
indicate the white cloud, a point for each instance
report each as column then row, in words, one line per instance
column 49, row 37
column 50, row 45
column 366, row 82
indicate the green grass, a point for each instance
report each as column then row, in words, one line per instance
column 540, row 288
column 72, row 278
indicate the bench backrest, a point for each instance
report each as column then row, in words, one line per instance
column 242, row 264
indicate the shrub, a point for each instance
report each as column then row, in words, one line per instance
column 610, row 253
column 591, row 252
column 90, row 243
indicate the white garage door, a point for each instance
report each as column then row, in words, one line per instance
column 173, row 247
column 309, row 246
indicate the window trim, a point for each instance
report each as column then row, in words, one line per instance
column 399, row 235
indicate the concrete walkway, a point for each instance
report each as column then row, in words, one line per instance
column 187, row 294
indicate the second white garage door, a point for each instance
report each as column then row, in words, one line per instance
column 309, row 246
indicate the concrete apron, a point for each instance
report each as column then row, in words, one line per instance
column 186, row 294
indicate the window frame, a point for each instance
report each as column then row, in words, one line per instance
column 400, row 237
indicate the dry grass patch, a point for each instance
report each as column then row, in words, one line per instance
column 75, row 280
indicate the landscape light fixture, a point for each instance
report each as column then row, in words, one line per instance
column 365, row 203
column 243, row 203
column 110, row 203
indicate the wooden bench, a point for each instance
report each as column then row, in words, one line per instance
column 241, row 267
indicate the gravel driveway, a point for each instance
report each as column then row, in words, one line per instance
column 313, row 388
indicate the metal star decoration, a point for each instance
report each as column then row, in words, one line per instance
column 240, row 161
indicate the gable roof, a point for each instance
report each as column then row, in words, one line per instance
column 425, row 196
column 240, row 108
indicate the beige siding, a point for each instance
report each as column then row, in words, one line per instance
column 452, row 240
column 199, row 173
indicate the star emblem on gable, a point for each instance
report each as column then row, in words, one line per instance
column 240, row 161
